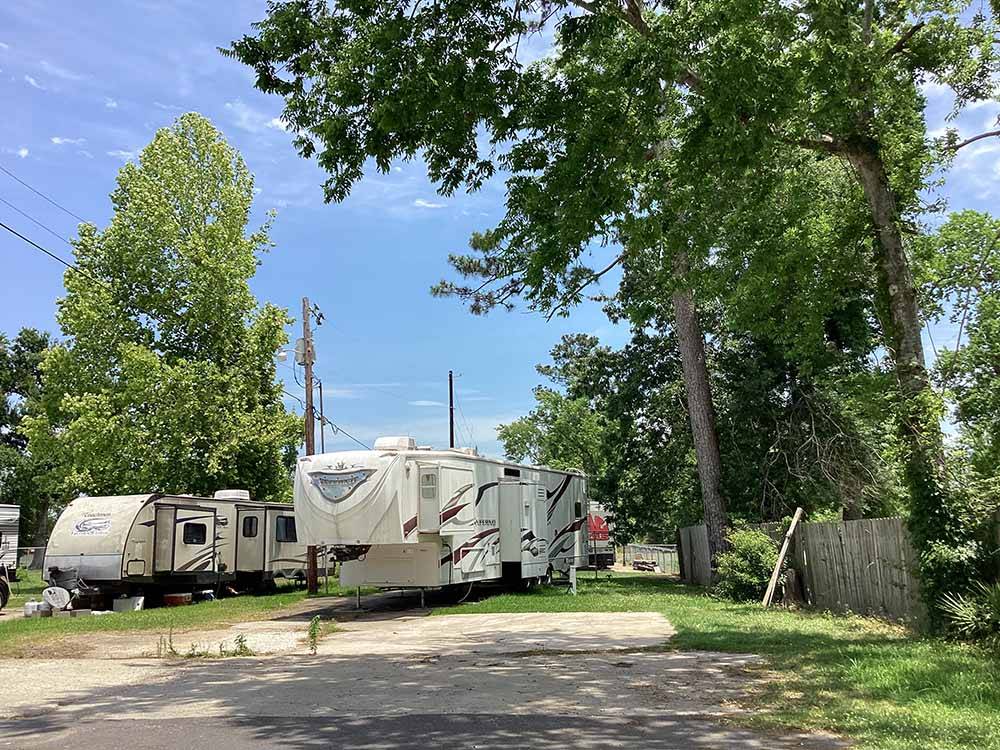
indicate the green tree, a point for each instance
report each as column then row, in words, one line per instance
column 21, row 383
column 561, row 432
column 166, row 378
column 636, row 133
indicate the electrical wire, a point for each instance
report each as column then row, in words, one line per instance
column 35, row 221
column 96, row 280
column 40, row 194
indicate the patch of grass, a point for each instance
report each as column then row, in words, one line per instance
column 863, row 678
column 26, row 637
column 28, row 586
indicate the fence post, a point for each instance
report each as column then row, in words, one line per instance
column 680, row 552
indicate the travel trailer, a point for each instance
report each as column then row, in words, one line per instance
column 406, row 517
column 602, row 551
column 10, row 519
column 153, row 544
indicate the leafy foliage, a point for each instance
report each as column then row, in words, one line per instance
column 166, row 378
column 975, row 615
column 745, row 568
column 21, row 382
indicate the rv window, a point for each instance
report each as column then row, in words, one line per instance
column 579, row 509
column 428, row 486
column 250, row 526
column 512, row 472
column 195, row 533
column 284, row 529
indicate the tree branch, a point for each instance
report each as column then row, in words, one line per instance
column 973, row 139
column 901, row 43
column 823, row 143
column 567, row 297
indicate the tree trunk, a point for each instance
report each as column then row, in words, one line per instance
column 921, row 414
column 701, row 410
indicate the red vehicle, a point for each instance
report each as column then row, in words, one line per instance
column 602, row 551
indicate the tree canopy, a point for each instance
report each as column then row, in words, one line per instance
column 165, row 378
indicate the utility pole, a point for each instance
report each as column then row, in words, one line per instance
column 451, row 410
column 312, row 567
column 309, row 356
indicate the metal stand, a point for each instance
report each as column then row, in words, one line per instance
column 421, row 599
column 358, row 605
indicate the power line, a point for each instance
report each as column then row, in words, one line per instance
column 337, row 428
column 41, row 194
column 35, row 221
column 96, row 280
column 63, row 261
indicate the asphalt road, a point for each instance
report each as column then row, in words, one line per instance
column 442, row 732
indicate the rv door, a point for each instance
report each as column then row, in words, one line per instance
column 163, row 535
column 429, row 503
column 513, row 515
column 250, row 538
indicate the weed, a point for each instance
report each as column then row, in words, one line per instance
column 315, row 629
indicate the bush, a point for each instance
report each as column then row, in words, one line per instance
column 976, row 615
column 745, row 568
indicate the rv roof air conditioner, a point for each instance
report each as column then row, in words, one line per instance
column 232, row 495
column 395, row 443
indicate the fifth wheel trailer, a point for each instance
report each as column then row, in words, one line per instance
column 402, row 516
column 155, row 543
column 10, row 518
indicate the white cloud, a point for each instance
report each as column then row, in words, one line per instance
column 32, row 82
column 425, row 403
column 4, row 45
column 23, row 152
column 110, row 103
column 84, row 152
column 343, row 393
column 477, row 398
column 167, row 107
column 421, row 203
column 123, row 155
column 59, row 72
column 253, row 120
column 59, row 141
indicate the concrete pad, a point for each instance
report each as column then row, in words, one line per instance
column 500, row 634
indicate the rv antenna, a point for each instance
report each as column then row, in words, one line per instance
column 451, row 410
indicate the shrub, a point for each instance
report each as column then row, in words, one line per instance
column 745, row 568
column 976, row 615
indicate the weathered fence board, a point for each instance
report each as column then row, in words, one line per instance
column 864, row 566
column 697, row 563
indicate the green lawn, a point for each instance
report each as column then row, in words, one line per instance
column 858, row 677
column 21, row 637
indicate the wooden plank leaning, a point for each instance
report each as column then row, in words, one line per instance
column 769, row 594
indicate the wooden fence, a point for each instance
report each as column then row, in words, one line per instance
column 864, row 566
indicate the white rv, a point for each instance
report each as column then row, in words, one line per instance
column 172, row 543
column 423, row 518
column 10, row 519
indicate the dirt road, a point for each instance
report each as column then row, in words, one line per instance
column 400, row 680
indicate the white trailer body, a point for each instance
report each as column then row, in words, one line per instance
column 10, row 520
column 171, row 542
column 429, row 518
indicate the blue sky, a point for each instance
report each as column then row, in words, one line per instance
column 85, row 86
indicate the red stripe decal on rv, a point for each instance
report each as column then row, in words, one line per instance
column 450, row 513
column 409, row 526
column 472, row 543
